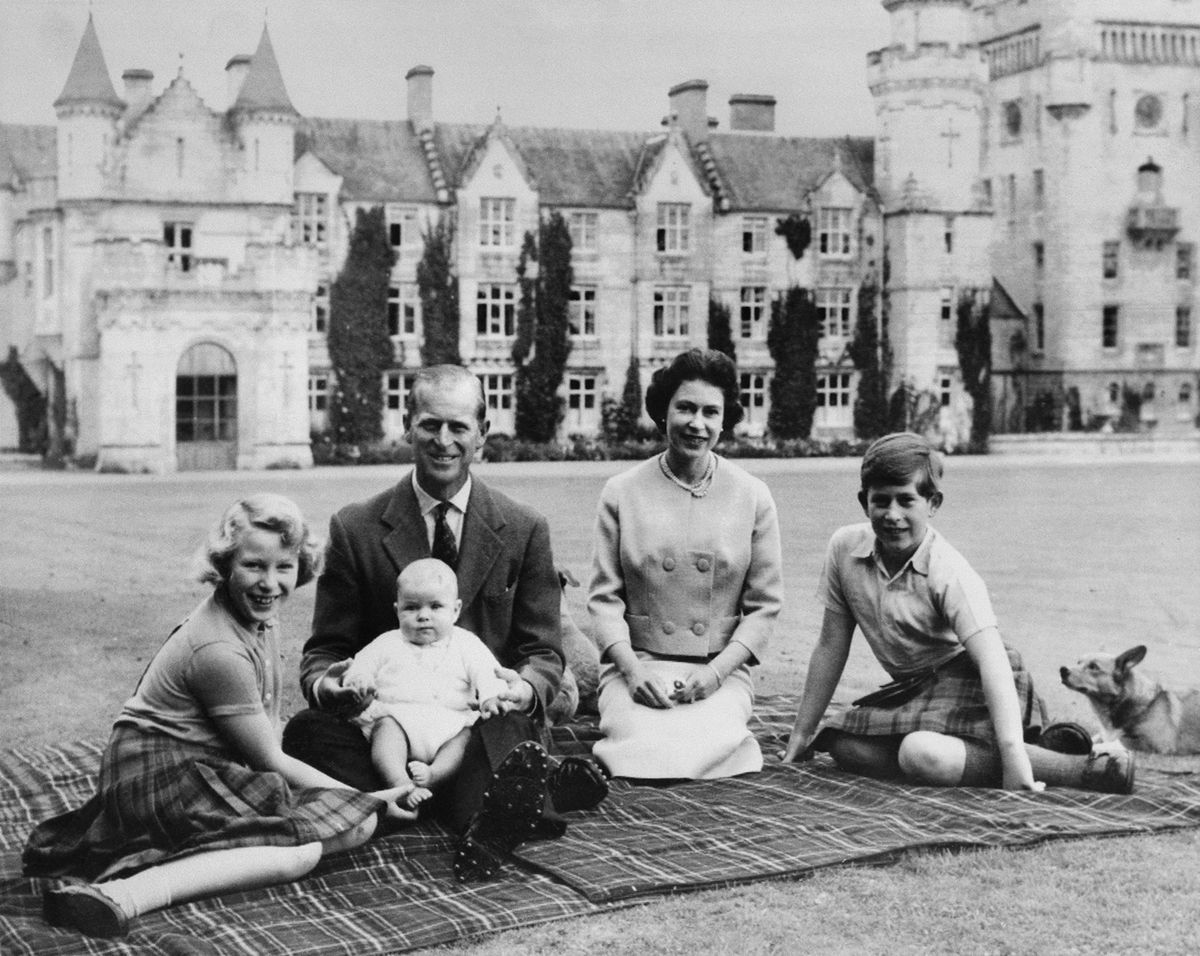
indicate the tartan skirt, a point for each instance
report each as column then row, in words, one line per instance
column 159, row 798
column 951, row 703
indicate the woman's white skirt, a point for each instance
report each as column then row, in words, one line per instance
column 702, row 740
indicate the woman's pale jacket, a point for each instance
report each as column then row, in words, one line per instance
column 682, row 576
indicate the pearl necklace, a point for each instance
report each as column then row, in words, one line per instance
column 701, row 487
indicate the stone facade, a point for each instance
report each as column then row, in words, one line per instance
column 165, row 264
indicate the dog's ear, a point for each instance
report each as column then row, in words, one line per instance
column 1127, row 660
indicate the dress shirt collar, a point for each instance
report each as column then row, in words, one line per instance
column 426, row 502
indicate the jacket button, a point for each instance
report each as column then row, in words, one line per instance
column 703, row 564
column 698, row 628
column 668, row 627
column 668, row 564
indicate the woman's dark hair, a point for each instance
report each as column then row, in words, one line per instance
column 706, row 365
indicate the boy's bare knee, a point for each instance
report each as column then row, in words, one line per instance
column 931, row 758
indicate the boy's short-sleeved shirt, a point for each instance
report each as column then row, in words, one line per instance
column 917, row 619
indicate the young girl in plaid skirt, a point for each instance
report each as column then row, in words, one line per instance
column 195, row 796
column 962, row 706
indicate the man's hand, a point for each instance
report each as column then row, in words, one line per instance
column 336, row 698
column 517, row 696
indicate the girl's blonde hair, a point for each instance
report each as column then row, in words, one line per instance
column 269, row 512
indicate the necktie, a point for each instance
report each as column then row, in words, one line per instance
column 444, row 546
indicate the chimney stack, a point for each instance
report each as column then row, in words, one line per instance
column 751, row 113
column 689, row 109
column 137, row 89
column 420, row 98
column 235, row 75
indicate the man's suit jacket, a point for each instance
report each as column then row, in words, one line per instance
column 506, row 580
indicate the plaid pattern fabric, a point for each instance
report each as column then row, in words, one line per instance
column 159, row 798
column 952, row 703
column 398, row 892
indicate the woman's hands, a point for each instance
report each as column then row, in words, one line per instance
column 651, row 690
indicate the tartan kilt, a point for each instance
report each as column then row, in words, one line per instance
column 159, row 798
column 952, row 703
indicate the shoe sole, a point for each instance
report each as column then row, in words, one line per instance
column 577, row 785
column 81, row 907
column 511, row 809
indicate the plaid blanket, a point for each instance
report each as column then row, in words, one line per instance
column 398, row 893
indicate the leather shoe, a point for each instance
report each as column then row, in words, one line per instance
column 511, row 809
column 83, row 907
column 1066, row 737
column 577, row 783
column 1109, row 772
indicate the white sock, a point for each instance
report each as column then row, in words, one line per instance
column 138, row 894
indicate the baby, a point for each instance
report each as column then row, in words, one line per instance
column 431, row 681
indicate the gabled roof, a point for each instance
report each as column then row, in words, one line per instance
column 26, row 152
column 88, row 81
column 777, row 172
column 378, row 160
column 263, row 87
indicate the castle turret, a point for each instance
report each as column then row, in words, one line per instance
column 930, row 88
column 88, row 109
column 266, row 118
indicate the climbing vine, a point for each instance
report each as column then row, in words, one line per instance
column 973, row 341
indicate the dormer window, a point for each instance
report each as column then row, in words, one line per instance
column 673, row 233
column 833, row 232
column 583, row 227
column 497, row 217
column 402, row 227
column 754, row 235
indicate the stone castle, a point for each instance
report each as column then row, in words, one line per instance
column 165, row 264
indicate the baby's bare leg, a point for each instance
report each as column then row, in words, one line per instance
column 389, row 752
column 445, row 762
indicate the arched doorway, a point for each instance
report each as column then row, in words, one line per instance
column 206, row 409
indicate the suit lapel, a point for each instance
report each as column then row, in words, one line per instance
column 481, row 544
column 407, row 540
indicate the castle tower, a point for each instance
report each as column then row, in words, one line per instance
column 930, row 88
column 266, row 119
column 88, row 109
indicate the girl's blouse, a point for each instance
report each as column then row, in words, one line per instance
column 683, row 576
column 918, row 618
column 210, row 666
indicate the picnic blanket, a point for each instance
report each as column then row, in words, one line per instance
column 398, row 892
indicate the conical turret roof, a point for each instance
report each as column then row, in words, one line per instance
column 88, row 81
column 263, row 88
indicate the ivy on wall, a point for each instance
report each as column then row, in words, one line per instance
column 620, row 420
column 437, row 284
column 792, row 339
column 360, row 349
column 797, row 233
column 539, row 373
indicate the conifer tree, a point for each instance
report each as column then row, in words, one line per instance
column 720, row 328
column 539, row 407
column 360, row 349
column 792, row 338
column 973, row 342
column 437, row 285
column 871, row 403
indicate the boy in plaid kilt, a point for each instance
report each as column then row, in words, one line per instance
column 962, row 709
column 195, row 796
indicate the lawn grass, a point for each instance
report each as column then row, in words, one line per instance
column 1078, row 557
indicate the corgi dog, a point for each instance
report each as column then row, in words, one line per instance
column 1135, row 709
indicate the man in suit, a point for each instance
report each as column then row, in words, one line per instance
column 507, row 789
